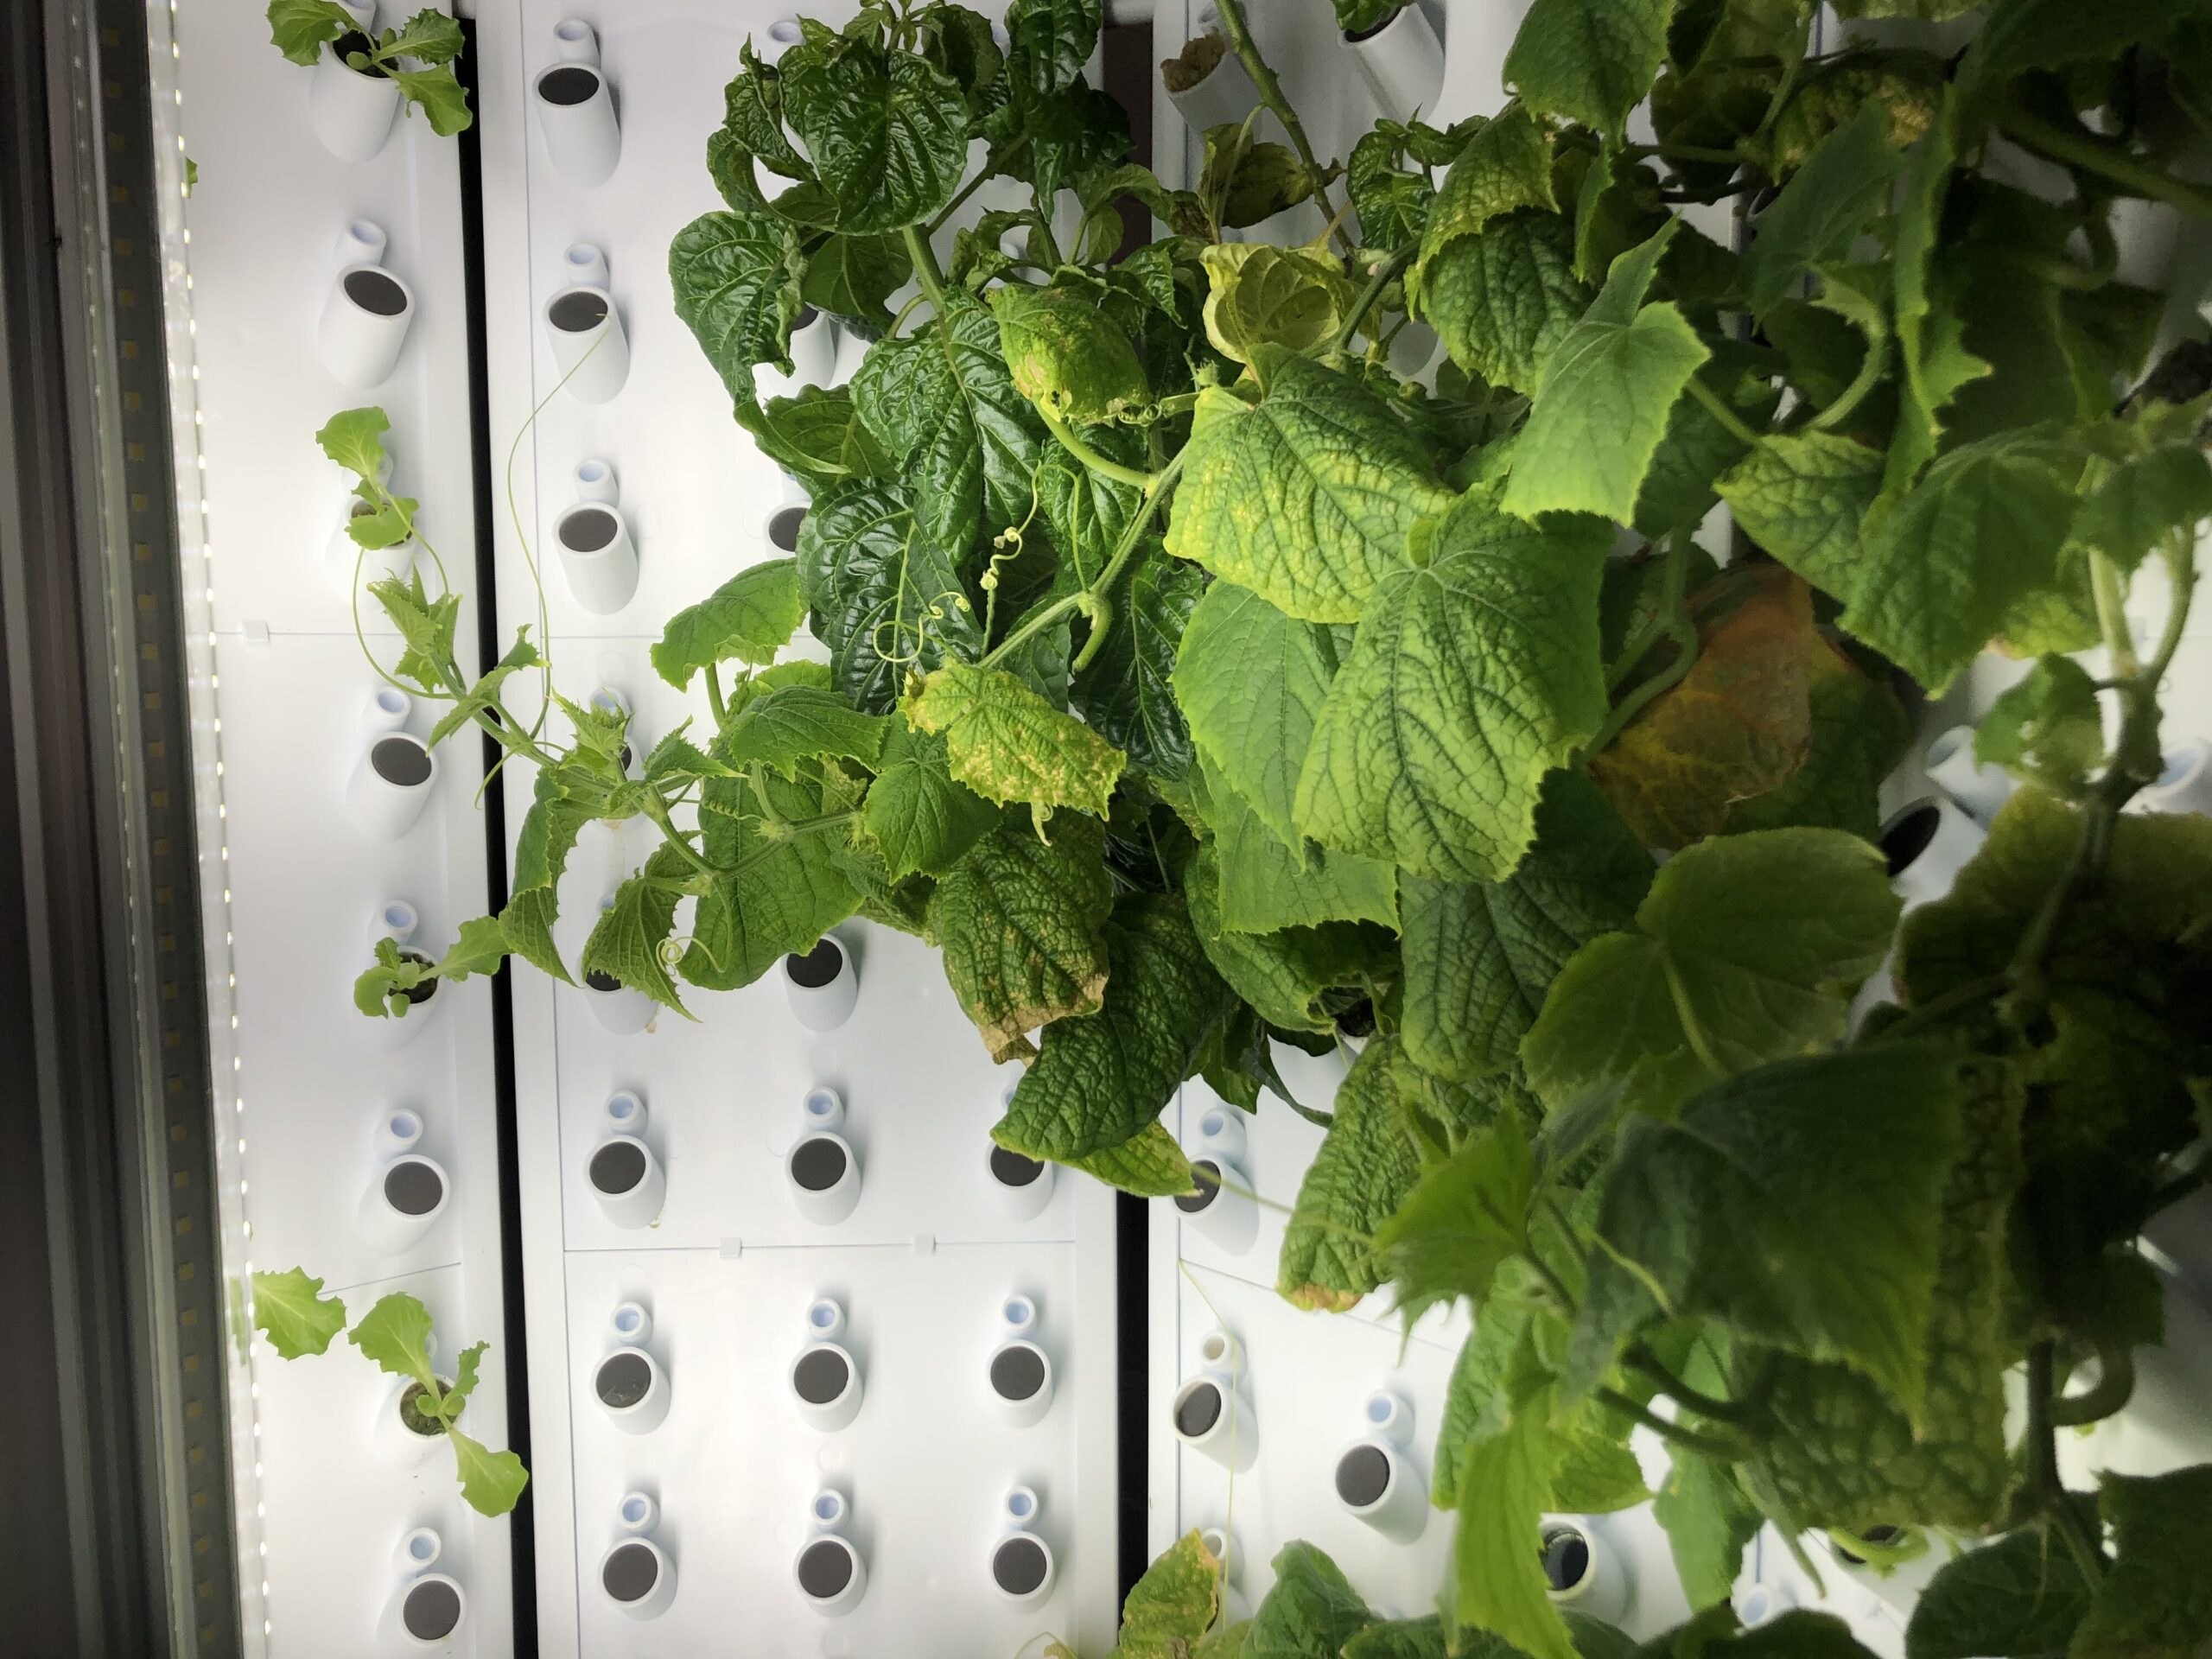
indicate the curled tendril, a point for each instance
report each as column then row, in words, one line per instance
column 887, row 638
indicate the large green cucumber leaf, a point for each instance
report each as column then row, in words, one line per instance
column 943, row 402
column 1606, row 396
column 1474, row 672
column 1019, row 921
column 1307, row 497
column 1099, row 1079
column 1250, row 680
column 1745, row 950
column 1479, row 957
column 1945, row 566
column 883, row 595
column 1749, row 1207
column 1008, row 744
column 1502, row 301
column 887, row 132
column 736, row 277
column 1589, row 61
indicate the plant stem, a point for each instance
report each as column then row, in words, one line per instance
column 991, row 163
column 1719, row 410
column 1681, row 630
column 1870, row 371
column 2115, row 1383
column 1710, row 1445
column 1037, row 621
column 656, row 809
column 1942, row 1007
column 1736, row 1412
column 925, row 266
column 2105, row 587
column 2135, row 763
column 2077, row 146
column 1271, row 94
column 1378, row 279
column 1684, row 152
column 2055, row 1502
column 1090, row 457
column 714, row 700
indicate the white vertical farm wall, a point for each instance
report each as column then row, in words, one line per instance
column 925, row 1261
column 291, row 884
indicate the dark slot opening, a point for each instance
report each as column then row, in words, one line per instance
column 588, row 529
column 572, row 83
column 818, row 1163
column 617, row 1168
column 820, row 1376
column 372, row 291
column 1017, row 1373
column 825, row 1568
column 819, row 967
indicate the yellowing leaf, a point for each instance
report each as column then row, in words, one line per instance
column 1261, row 294
column 1308, row 498
column 1470, row 676
column 1018, row 922
column 1738, row 725
column 1009, row 744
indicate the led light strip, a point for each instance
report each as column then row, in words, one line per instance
column 196, row 558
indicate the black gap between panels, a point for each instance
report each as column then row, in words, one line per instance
column 523, row 1536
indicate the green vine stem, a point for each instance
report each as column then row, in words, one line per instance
column 1090, row 457
column 1271, row 95
column 993, row 164
column 1710, row 1445
column 1741, row 1414
column 1088, row 599
column 926, row 271
column 1378, row 278
column 2114, row 1387
column 2076, row 146
column 1716, row 407
column 2053, row 1500
column 1676, row 626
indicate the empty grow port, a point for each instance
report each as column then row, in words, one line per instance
column 1017, row 1371
column 1363, row 1476
column 825, row 1568
column 818, row 1163
column 431, row 1609
column 588, row 529
column 568, row 83
column 618, row 1166
column 414, row 1187
column 821, row 1374
column 1019, row 1567
column 376, row 292
column 1197, row 1409
column 623, row 1380
column 782, row 533
column 576, row 312
column 630, row 1572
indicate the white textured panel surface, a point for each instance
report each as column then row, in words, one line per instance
column 724, row 1094
column 288, row 691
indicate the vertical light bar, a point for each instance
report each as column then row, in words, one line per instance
column 197, row 558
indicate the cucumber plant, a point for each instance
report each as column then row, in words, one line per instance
column 299, row 1320
column 1199, row 684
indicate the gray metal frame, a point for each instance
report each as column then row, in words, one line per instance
column 114, row 1457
